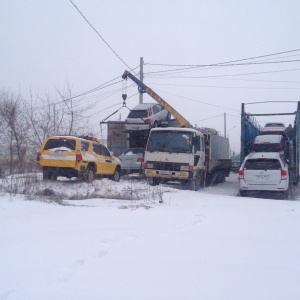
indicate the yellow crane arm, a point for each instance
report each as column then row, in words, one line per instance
column 145, row 89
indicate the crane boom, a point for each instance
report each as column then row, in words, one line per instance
column 145, row 89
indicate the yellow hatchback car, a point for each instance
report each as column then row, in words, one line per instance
column 80, row 157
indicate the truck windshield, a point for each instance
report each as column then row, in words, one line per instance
column 170, row 141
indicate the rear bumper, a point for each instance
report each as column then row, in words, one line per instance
column 65, row 172
column 129, row 127
column 283, row 186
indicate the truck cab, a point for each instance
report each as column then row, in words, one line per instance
column 175, row 154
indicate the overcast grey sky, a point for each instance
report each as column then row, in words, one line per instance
column 45, row 43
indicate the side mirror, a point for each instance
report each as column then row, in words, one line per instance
column 111, row 153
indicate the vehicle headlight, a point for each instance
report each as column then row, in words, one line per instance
column 149, row 165
column 184, row 168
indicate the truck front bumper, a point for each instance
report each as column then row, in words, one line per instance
column 181, row 175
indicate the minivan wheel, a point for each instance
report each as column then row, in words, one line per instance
column 243, row 193
column 285, row 195
column 89, row 175
column 46, row 174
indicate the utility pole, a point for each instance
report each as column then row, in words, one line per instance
column 54, row 119
column 225, row 125
column 141, row 77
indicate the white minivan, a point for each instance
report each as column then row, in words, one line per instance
column 264, row 171
column 271, row 143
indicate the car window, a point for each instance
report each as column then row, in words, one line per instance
column 262, row 164
column 134, row 151
column 101, row 150
column 274, row 125
column 269, row 147
column 197, row 144
column 96, row 149
column 138, row 114
column 85, row 146
column 155, row 109
column 61, row 143
column 104, row 150
column 202, row 144
column 283, row 160
column 159, row 107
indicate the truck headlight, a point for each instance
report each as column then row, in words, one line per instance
column 184, row 168
column 149, row 165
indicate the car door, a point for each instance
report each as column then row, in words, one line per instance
column 105, row 163
column 262, row 171
column 161, row 113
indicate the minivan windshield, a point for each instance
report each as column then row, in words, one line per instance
column 170, row 141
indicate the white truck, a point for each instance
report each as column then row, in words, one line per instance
column 194, row 156
column 190, row 156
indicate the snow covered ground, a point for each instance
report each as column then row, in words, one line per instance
column 209, row 244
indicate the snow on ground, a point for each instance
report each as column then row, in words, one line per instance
column 209, row 244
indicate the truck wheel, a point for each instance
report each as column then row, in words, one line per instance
column 153, row 181
column 221, row 178
column 195, row 183
column 116, row 175
column 202, row 180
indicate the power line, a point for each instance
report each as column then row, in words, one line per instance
column 183, row 97
column 231, row 79
column 226, row 75
column 82, row 94
column 110, row 106
column 220, row 65
column 208, row 118
column 249, row 103
column 186, row 67
column 228, row 87
column 99, row 35
column 229, row 62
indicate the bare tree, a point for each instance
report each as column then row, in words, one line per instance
column 14, row 130
column 26, row 123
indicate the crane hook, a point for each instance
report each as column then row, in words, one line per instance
column 124, row 91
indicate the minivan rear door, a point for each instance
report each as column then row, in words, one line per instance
column 59, row 152
column 262, row 171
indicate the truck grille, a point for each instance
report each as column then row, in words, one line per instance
column 166, row 166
